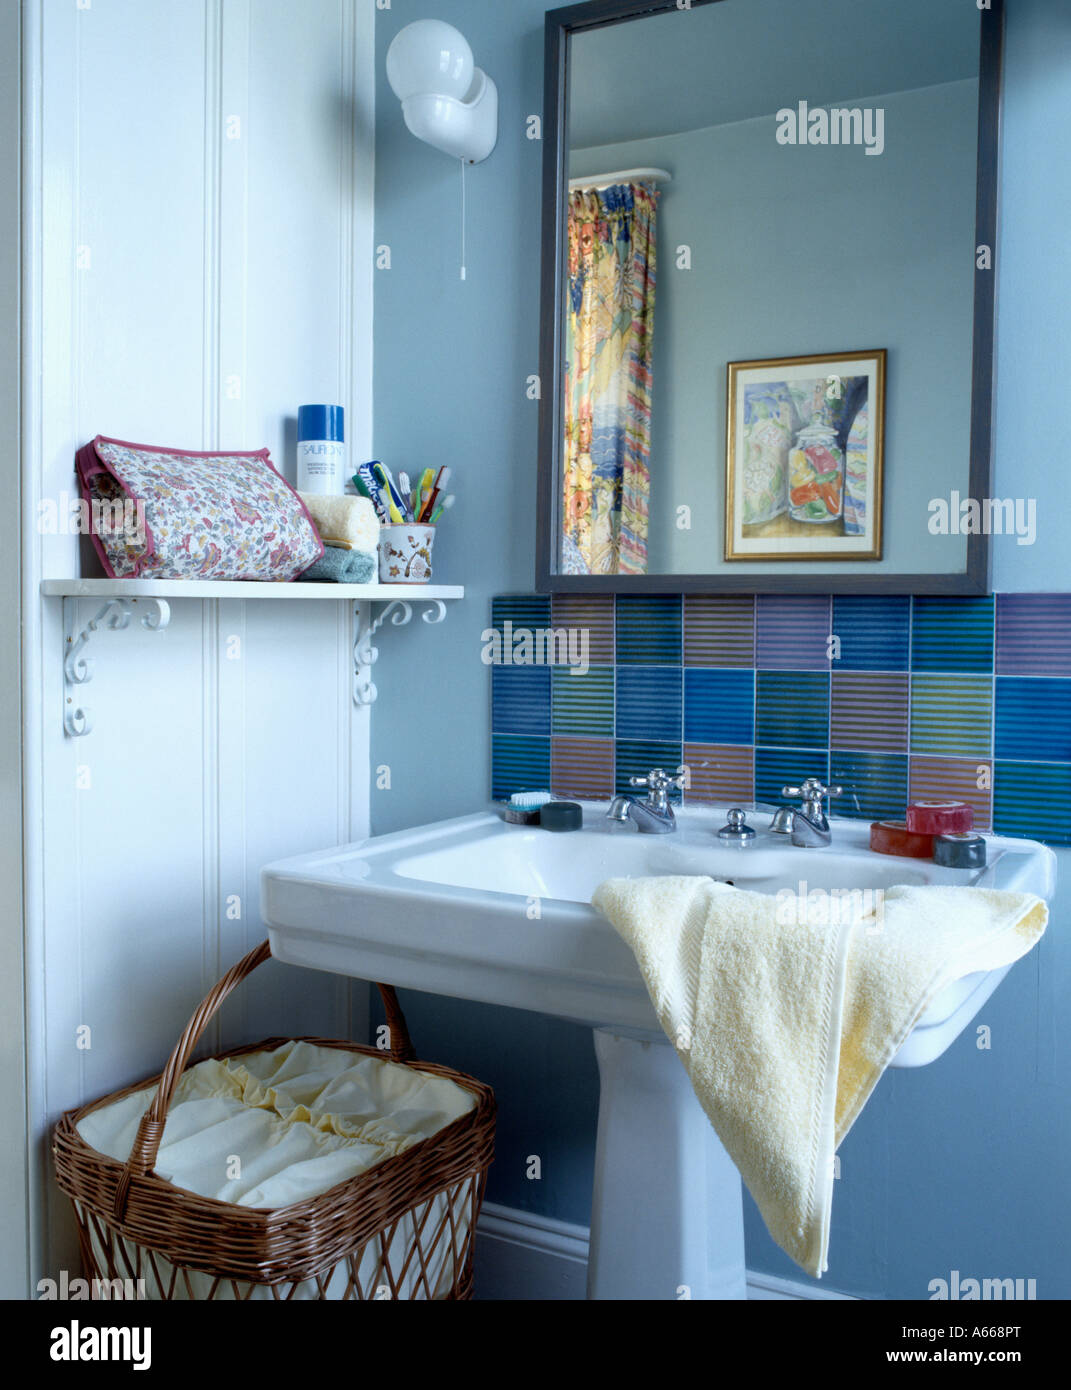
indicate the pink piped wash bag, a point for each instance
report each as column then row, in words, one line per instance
column 194, row 516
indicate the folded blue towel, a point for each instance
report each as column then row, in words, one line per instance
column 341, row 567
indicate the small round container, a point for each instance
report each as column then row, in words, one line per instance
column 959, row 851
column 562, row 816
column 405, row 553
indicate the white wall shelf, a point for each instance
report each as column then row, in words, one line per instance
column 151, row 599
column 243, row 589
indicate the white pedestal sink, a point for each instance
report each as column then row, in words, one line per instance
column 478, row 909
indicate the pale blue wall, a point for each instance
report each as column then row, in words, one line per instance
column 960, row 1165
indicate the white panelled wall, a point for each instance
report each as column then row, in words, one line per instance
column 198, row 251
column 13, row 1153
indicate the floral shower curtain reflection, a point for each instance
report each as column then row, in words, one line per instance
column 609, row 330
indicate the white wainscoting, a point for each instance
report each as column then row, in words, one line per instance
column 198, row 262
column 14, row 1269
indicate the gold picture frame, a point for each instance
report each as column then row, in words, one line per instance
column 805, row 458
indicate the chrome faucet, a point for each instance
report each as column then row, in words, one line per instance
column 807, row 824
column 654, row 816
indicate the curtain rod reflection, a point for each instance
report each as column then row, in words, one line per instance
column 621, row 176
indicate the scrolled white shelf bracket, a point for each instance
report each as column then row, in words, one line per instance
column 115, row 615
column 365, row 655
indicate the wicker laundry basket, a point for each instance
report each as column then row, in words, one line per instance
column 403, row 1229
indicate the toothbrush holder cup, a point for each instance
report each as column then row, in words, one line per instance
column 405, row 553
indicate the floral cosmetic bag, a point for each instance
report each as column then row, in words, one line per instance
column 171, row 514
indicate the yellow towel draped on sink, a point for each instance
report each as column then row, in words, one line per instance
column 785, row 1027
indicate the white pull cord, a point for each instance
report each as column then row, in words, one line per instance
column 464, row 272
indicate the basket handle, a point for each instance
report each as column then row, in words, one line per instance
column 146, row 1144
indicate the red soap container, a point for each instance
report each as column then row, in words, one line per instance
column 939, row 817
column 893, row 837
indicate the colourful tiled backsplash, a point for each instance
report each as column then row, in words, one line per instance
column 911, row 699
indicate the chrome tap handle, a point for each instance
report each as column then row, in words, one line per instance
column 659, row 784
column 812, row 791
column 658, row 780
column 808, row 826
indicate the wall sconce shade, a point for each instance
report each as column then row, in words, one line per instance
column 447, row 101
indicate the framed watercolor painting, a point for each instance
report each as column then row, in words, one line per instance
column 804, row 464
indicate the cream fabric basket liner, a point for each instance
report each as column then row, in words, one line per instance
column 268, row 1129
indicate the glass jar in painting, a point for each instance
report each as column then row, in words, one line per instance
column 816, row 475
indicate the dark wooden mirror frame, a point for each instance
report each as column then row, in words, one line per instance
column 975, row 579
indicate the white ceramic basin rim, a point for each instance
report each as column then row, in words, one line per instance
column 479, row 909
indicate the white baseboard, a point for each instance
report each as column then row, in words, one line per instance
column 521, row 1256
column 770, row 1286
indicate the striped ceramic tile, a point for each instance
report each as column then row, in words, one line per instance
column 869, row 711
column 719, row 773
column 952, row 715
column 719, row 631
column 792, row 709
column 519, row 765
column 779, row 767
column 952, row 634
column 528, row 611
column 874, row 633
column 955, row 779
column 638, row 757
column 520, row 699
column 1033, row 800
column 874, row 785
column 582, row 768
column 649, row 702
column 1033, row 719
column 719, row 706
column 583, row 704
column 649, row 630
column 1034, row 634
column 955, row 712
column 792, row 632
column 592, row 614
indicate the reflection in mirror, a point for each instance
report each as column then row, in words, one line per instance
column 768, row 309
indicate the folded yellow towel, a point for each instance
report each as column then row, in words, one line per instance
column 785, row 1027
column 349, row 523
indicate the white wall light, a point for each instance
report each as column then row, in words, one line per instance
column 447, row 101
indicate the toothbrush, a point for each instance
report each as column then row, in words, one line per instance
column 392, row 512
column 396, row 496
column 407, row 495
column 441, row 479
column 423, row 492
column 445, row 506
column 394, row 503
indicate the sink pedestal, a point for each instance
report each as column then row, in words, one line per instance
column 667, row 1218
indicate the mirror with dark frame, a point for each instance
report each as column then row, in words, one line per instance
column 767, row 308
